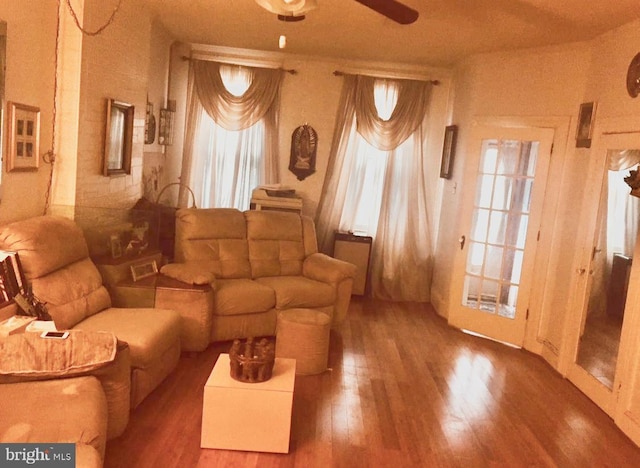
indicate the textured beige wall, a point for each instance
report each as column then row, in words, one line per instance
column 115, row 64
column 31, row 27
column 154, row 175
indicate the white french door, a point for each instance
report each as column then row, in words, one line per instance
column 501, row 213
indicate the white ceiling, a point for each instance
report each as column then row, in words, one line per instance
column 445, row 32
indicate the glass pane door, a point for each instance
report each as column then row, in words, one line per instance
column 499, row 226
column 500, row 220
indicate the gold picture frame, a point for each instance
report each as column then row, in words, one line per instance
column 448, row 151
column 23, row 140
column 118, row 138
column 144, row 270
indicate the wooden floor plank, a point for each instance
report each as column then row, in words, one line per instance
column 403, row 389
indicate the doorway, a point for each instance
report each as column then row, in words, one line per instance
column 501, row 216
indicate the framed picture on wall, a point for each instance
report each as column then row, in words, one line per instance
column 23, row 138
column 118, row 140
column 585, row 124
column 448, row 151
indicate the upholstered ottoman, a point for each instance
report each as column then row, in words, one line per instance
column 303, row 335
column 71, row 410
column 28, row 357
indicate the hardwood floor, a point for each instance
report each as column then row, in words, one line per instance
column 598, row 348
column 404, row 390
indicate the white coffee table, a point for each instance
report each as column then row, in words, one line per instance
column 253, row 417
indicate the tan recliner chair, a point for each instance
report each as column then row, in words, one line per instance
column 55, row 259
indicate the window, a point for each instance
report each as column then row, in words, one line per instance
column 230, row 143
column 376, row 182
column 365, row 189
column 231, row 164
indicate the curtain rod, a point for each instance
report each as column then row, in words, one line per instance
column 291, row 71
column 341, row 73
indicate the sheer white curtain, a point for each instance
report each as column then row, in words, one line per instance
column 618, row 225
column 375, row 182
column 623, row 210
column 231, row 134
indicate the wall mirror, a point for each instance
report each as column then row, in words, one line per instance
column 616, row 233
column 118, row 138
column 608, row 256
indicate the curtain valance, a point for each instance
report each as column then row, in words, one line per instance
column 235, row 112
column 622, row 159
column 408, row 114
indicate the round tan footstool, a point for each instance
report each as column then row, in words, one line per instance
column 303, row 335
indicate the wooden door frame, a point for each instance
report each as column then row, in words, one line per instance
column 626, row 384
column 550, row 237
column 628, row 353
column 515, row 123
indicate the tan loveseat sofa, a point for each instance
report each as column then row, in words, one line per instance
column 257, row 263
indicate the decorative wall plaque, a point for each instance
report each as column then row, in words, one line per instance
column 304, row 143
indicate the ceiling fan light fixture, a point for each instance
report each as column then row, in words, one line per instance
column 288, row 7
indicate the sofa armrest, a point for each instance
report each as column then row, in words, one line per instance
column 321, row 267
column 190, row 272
column 194, row 303
column 26, row 356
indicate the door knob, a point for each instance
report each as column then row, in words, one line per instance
column 462, row 241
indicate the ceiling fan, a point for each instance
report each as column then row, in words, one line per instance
column 294, row 10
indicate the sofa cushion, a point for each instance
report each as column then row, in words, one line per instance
column 62, row 277
column 27, row 356
column 217, row 235
column 72, row 293
column 149, row 332
column 298, row 291
column 229, row 257
column 193, row 272
column 242, row 296
column 226, row 258
column 210, row 223
column 276, row 245
column 70, row 410
column 33, row 237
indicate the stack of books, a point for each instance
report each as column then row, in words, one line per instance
column 14, row 288
column 12, row 280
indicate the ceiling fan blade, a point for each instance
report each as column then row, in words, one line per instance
column 392, row 9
